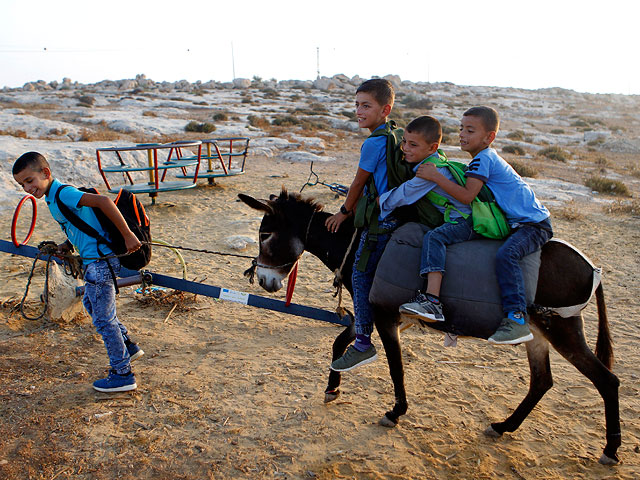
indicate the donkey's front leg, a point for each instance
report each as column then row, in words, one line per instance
column 387, row 325
column 340, row 344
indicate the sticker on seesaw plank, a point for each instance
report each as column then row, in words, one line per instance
column 234, row 296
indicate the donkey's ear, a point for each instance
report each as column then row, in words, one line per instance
column 255, row 203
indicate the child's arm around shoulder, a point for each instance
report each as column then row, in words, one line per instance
column 462, row 193
column 111, row 211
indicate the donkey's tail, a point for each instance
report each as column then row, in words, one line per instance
column 604, row 345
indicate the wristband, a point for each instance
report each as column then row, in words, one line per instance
column 343, row 210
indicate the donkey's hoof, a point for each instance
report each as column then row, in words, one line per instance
column 607, row 460
column 387, row 422
column 490, row 432
column 331, row 395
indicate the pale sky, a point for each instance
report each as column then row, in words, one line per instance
column 587, row 46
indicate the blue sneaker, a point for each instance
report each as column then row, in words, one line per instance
column 116, row 382
column 135, row 352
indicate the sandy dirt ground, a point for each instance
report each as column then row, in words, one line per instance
column 230, row 391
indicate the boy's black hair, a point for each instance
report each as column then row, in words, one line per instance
column 33, row 160
column 380, row 89
column 488, row 116
column 427, row 126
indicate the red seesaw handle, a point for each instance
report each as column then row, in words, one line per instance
column 34, row 215
column 291, row 283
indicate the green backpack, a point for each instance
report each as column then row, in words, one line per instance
column 488, row 218
column 398, row 172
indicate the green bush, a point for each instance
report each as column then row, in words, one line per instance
column 515, row 149
column 220, row 117
column 194, row 126
column 555, row 153
column 557, row 131
column 606, row 185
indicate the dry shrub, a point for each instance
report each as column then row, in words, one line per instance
column 608, row 186
column 602, row 161
column 258, row 122
column 149, row 113
column 516, row 135
column 515, row 149
column 570, row 212
column 194, row 126
column 14, row 133
column 621, row 207
column 101, row 134
column 555, row 153
column 524, row 169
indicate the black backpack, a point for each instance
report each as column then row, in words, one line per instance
column 135, row 216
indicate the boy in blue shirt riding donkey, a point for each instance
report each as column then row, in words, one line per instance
column 374, row 100
column 33, row 173
column 527, row 217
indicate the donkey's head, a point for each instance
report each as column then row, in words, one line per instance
column 282, row 235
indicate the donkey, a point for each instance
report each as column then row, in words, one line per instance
column 291, row 225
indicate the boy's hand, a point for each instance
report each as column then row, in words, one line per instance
column 64, row 248
column 427, row 171
column 131, row 242
column 334, row 222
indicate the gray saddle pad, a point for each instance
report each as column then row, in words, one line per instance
column 470, row 292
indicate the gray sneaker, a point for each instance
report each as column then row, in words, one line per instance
column 353, row 358
column 420, row 306
column 511, row 333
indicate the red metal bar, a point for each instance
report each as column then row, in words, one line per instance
column 224, row 167
column 195, row 176
column 104, row 177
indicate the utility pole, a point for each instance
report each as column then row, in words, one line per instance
column 318, row 61
column 233, row 62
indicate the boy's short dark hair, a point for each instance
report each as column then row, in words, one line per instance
column 380, row 89
column 33, row 160
column 428, row 127
column 488, row 116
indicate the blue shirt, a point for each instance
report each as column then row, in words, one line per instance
column 413, row 190
column 373, row 159
column 513, row 194
column 86, row 246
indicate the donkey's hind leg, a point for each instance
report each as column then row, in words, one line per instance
column 567, row 336
column 387, row 327
column 539, row 382
column 340, row 344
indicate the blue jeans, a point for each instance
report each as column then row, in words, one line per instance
column 362, row 281
column 434, row 244
column 525, row 239
column 100, row 302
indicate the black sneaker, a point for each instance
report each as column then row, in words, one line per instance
column 420, row 306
